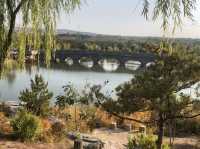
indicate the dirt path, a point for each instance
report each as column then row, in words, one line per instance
column 113, row 139
column 20, row 145
column 116, row 139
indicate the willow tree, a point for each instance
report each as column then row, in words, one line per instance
column 171, row 12
column 38, row 23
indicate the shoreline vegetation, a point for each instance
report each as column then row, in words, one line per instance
column 148, row 110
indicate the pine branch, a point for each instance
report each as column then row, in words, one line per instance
column 130, row 119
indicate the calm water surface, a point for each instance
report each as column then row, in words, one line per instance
column 18, row 80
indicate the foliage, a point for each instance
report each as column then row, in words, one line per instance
column 5, row 127
column 38, row 18
column 5, row 109
column 26, row 126
column 63, row 114
column 88, row 115
column 170, row 10
column 187, row 126
column 141, row 142
column 58, row 131
column 37, row 99
column 70, row 97
column 158, row 91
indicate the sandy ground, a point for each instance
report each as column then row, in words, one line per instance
column 18, row 145
column 116, row 139
column 113, row 139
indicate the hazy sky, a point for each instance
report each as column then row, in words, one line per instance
column 119, row 17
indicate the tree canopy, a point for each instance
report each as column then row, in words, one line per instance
column 38, row 20
column 37, row 99
column 170, row 10
column 158, row 90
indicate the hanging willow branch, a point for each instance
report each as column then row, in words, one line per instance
column 38, row 22
column 170, row 11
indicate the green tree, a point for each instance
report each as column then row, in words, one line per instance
column 171, row 12
column 37, row 99
column 70, row 98
column 26, row 126
column 36, row 15
column 86, row 99
column 41, row 14
column 158, row 90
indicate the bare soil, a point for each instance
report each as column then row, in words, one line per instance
column 113, row 139
column 117, row 139
column 20, row 145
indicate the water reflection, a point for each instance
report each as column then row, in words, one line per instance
column 57, row 76
column 86, row 62
column 69, row 61
column 150, row 64
column 133, row 65
column 109, row 64
column 11, row 76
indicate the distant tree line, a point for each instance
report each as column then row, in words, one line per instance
column 117, row 43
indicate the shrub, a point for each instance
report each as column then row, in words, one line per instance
column 189, row 126
column 5, row 127
column 58, row 131
column 26, row 126
column 88, row 115
column 46, row 137
column 144, row 142
column 37, row 99
column 6, row 109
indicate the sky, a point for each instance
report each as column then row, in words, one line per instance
column 121, row 17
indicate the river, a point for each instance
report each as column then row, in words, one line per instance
column 58, row 76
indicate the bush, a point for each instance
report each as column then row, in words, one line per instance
column 88, row 115
column 58, row 131
column 188, row 126
column 143, row 142
column 26, row 126
column 6, row 109
column 37, row 99
column 46, row 137
column 5, row 127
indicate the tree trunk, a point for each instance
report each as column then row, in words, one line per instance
column 8, row 41
column 9, row 36
column 160, row 133
column 1, row 34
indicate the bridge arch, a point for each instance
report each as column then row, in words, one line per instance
column 69, row 61
column 109, row 64
column 86, row 62
column 122, row 57
column 149, row 64
column 133, row 65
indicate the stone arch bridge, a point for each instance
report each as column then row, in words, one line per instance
column 96, row 56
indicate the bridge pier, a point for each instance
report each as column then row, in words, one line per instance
column 96, row 56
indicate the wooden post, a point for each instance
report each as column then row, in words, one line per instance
column 130, row 127
column 78, row 144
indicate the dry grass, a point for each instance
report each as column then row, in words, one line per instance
column 186, row 142
column 20, row 145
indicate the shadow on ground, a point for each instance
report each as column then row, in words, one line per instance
column 185, row 146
